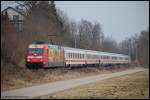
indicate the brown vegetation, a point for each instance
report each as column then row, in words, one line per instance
column 16, row 77
column 134, row 86
column 42, row 21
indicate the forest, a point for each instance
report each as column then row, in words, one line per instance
column 44, row 22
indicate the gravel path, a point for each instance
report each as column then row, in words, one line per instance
column 35, row 91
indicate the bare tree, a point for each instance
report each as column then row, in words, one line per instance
column 97, row 36
column 109, row 45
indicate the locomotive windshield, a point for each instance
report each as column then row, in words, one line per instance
column 35, row 50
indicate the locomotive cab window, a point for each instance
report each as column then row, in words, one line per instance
column 35, row 50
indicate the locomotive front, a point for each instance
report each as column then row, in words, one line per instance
column 35, row 55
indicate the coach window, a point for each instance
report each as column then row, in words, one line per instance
column 75, row 55
column 68, row 55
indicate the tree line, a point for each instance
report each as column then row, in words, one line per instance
column 45, row 22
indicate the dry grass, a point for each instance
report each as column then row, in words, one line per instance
column 17, row 77
column 133, row 86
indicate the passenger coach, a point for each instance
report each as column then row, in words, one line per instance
column 47, row 55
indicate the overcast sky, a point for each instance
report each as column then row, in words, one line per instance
column 119, row 19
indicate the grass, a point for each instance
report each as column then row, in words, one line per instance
column 13, row 77
column 133, row 86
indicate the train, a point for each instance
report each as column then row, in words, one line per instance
column 47, row 55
